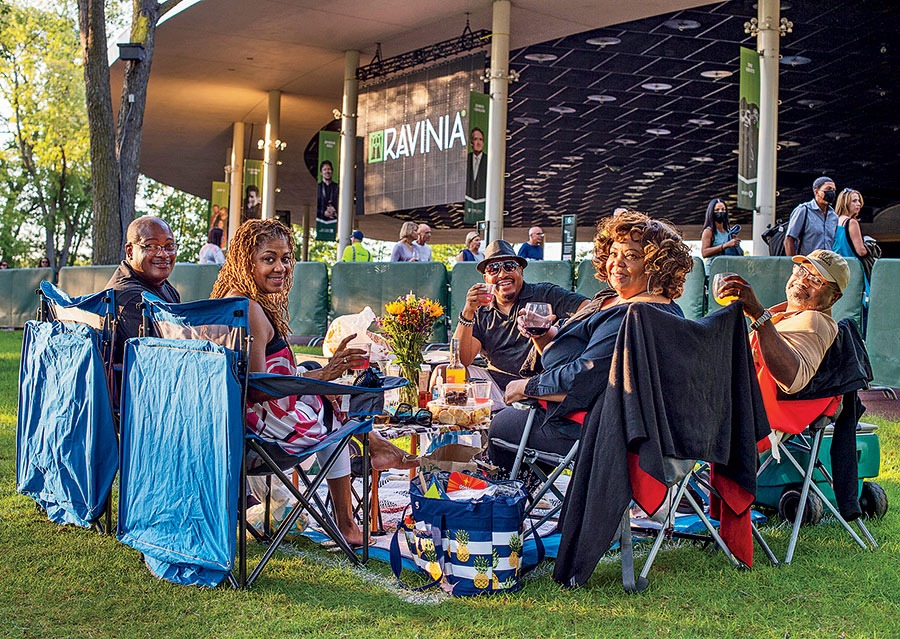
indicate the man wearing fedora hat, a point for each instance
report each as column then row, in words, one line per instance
column 790, row 339
column 487, row 322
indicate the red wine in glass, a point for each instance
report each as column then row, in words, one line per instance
column 537, row 318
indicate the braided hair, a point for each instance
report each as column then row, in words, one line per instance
column 236, row 275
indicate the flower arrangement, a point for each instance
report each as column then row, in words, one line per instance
column 406, row 325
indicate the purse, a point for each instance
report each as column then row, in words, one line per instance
column 472, row 546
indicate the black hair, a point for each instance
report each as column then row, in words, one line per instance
column 215, row 236
column 709, row 221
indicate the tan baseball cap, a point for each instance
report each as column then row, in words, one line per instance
column 829, row 265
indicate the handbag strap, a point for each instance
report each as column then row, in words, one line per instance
column 396, row 558
column 539, row 547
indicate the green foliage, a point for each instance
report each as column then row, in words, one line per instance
column 45, row 166
column 186, row 214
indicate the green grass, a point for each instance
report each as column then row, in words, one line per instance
column 68, row 582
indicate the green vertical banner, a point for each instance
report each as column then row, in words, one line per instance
column 748, row 137
column 476, row 158
column 569, row 226
column 327, row 185
column 218, row 207
column 253, row 181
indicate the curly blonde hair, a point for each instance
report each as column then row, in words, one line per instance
column 236, row 275
column 667, row 259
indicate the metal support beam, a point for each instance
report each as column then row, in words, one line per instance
column 767, row 44
column 496, row 147
column 348, row 151
column 270, row 155
column 236, row 173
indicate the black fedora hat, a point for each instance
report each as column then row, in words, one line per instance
column 499, row 250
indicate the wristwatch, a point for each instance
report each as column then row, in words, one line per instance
column 759, row 321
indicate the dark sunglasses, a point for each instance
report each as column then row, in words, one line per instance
column 404, row 415
column 508, row 266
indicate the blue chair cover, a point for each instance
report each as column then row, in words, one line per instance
column 65, row 438
column 102, row 303
column 180, row 458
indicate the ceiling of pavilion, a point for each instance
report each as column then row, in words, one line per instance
column 669, row 150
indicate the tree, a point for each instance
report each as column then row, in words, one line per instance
column 187, row 215
column 115, row 146
column 45, row 166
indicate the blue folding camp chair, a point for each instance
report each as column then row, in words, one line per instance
column 184, row 444
column 66, row 447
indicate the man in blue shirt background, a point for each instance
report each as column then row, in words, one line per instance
column 813, row 224
column 533, row 249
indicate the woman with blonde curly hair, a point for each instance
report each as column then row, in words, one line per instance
column 260, row 267
column 644, row 261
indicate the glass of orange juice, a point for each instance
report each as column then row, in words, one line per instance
column 718, row 282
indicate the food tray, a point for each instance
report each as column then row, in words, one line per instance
column 470, row 415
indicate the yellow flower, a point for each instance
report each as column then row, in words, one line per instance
column 395, row 308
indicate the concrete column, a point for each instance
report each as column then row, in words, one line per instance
column 235, row 191
column 270, row 155
column 304, row 247
column 348, row 151
column 767, row 45
column 496, row 154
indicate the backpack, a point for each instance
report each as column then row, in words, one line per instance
column 774, row 237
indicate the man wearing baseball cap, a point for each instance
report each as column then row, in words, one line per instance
column 487, row 322
column 356, row 252
column 790, row 339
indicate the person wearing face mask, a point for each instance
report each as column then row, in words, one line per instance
column 813, row 224
column 717, row 238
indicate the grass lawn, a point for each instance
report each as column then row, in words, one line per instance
column 69, row 582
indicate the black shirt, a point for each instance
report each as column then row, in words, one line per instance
column 129, row 286
column 501, row 342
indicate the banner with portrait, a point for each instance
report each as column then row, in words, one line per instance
column 218, row 207
column 748, row 137
column 476, row 158
column 253, row 182
column 327, row 181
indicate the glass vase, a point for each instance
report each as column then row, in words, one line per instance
column 409, row 394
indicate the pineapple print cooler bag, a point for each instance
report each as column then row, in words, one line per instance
column 472, row 547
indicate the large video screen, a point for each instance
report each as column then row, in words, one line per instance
column 416, row 131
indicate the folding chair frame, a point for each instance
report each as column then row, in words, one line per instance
column 307, row 499
column 50, row 311
column 810, row 441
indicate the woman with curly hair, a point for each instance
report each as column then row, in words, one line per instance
column 644, row 261
column 260, row 267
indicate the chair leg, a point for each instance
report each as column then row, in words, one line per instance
column 523, row 443
column 810, row 485
column 366, row 494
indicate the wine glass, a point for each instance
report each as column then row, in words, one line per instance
column 718, row 283
column 537, row 318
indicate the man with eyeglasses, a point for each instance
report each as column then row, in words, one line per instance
column 150, row 252
column 791, row 338
column 487, row 322
column 533, row 249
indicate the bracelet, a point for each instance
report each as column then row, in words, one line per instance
column 759, row 321
column 466, row 322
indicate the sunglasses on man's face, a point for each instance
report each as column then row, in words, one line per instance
column 494, row 268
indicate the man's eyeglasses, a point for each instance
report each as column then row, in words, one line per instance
column 508, row 266
column 809, row 276
column 404, row 415
column 156, row 249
